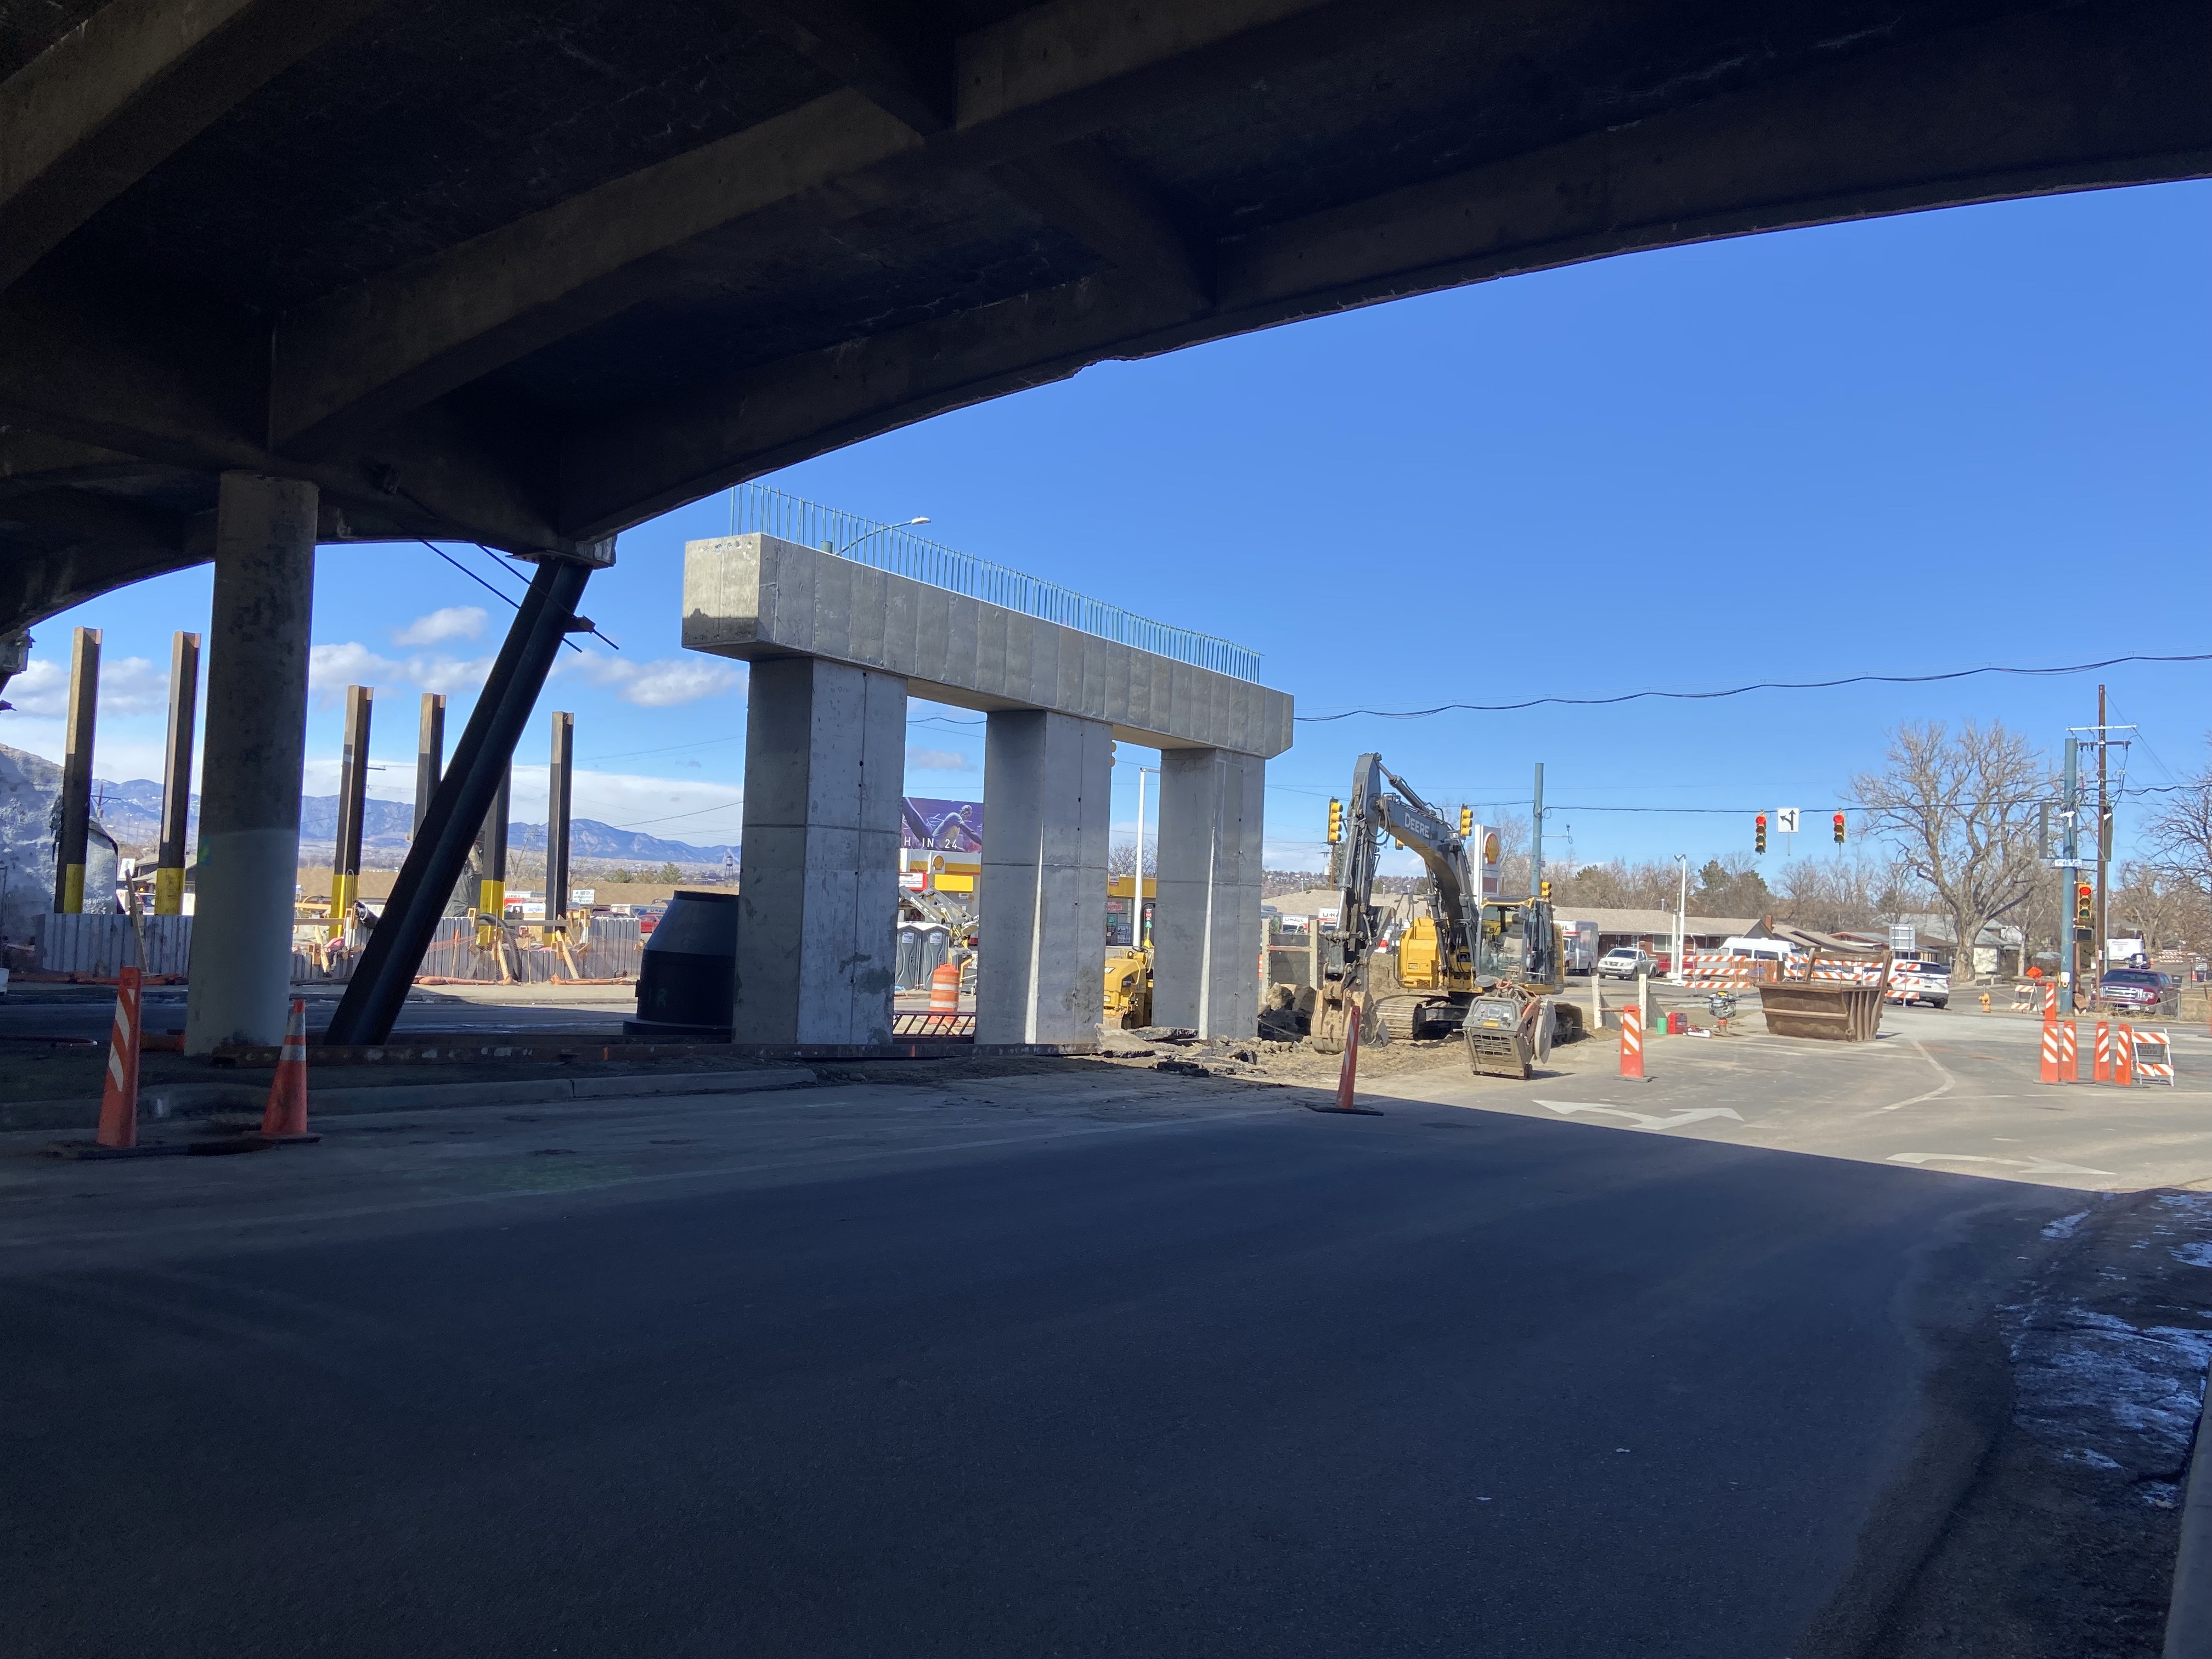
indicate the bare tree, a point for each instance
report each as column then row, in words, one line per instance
column 2179, row 834
column 1963, row 813
column 1858, row 893
column 1618, row 885
column 1122, row 857
column 2158, row 903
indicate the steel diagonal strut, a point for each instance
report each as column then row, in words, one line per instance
column 464, row 795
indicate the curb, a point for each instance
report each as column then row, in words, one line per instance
column 159, row 1104
column 2188, row 1609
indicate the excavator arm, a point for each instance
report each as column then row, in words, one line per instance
column 1382, row 803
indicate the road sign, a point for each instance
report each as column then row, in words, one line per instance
column 1903, row 940
column 1785, row 819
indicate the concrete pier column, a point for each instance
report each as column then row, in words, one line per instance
column 825, row 763
column 1042, row 896
column 256, row 727
column 1206, row 935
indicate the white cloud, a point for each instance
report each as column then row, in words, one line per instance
column 128, row 685
column 449, row 674
column 661, row 684
column 455, row 622
column 331, row 668
column 40, row 689
column 919, row 759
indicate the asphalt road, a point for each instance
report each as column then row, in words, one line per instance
column 1065, row 1364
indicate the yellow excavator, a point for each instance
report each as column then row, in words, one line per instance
column 1129, row 988
column 1484, row 967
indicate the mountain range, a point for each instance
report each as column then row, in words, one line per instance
column 132, row 813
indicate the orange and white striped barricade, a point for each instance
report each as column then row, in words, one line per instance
column 2049, row 1072
column 2100, row 1067
column 2124, row 1057
column 119, row 1092
column 2153, row 1058
column 1632, row 1043
column 2023, row 997
column 2069, row 1052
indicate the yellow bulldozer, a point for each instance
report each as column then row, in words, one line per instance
column 1129, row 988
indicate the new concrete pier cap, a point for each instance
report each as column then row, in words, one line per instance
column 756, row 598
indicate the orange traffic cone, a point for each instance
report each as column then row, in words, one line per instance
column 2069, row 1052
column 2049, row 1072
column 118, row 1094
column 284, row 1123
column 945, row 989
column 2123, row 1056
column 1348, row 1073
column 1632, row 1043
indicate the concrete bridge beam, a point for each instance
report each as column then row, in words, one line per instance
column 257, row 734
column 1042, row 893
column 1206, row 932
column 825, row 765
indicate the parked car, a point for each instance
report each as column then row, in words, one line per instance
column 1626, row 961
column 1928, row 983
column 2134, row 988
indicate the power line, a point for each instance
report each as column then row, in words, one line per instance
column 1739, row 690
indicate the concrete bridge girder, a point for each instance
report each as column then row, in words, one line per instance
column 822, row 632
column 554, row 363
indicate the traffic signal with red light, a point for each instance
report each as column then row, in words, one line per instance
column 2085, row 906
column 1839, row 828
column 1759, row 834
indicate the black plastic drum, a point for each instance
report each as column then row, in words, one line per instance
column 688, row 977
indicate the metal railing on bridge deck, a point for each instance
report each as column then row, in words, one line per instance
column 896, row 548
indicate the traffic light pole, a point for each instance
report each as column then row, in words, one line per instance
column 2069, row 947
column 1536, row 840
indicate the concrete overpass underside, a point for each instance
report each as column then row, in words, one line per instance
column 531, row 272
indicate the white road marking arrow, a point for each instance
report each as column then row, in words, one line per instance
column 2025, row 1166
column 1641, row 1120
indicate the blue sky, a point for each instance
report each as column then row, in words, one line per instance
column 1917, row 443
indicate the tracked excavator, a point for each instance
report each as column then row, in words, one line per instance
column 1485, row 967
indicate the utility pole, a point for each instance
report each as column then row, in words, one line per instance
column 491, row 846
column 353, row 806
column 1681, row 917
column 76, row 773
column 1137, row 878
column 2103, row 837
column 559, row 788
column 429, row 752
column 2069, row 954
column 176, row 775
column 1536, row 839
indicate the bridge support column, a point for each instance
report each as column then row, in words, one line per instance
column 825, row 763
column 1043, row 893
column 257, row 731
column 1205, row 934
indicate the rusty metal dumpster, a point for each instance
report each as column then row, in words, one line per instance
column 1834, row 1009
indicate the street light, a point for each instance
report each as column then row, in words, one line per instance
column 840, row 552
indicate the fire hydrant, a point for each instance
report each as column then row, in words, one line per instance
column 1985, row 1002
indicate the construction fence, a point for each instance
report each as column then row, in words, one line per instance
column 93, row 948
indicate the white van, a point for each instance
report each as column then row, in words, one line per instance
column 1760, row 950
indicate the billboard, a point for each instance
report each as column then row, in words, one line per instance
column 944, row 826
